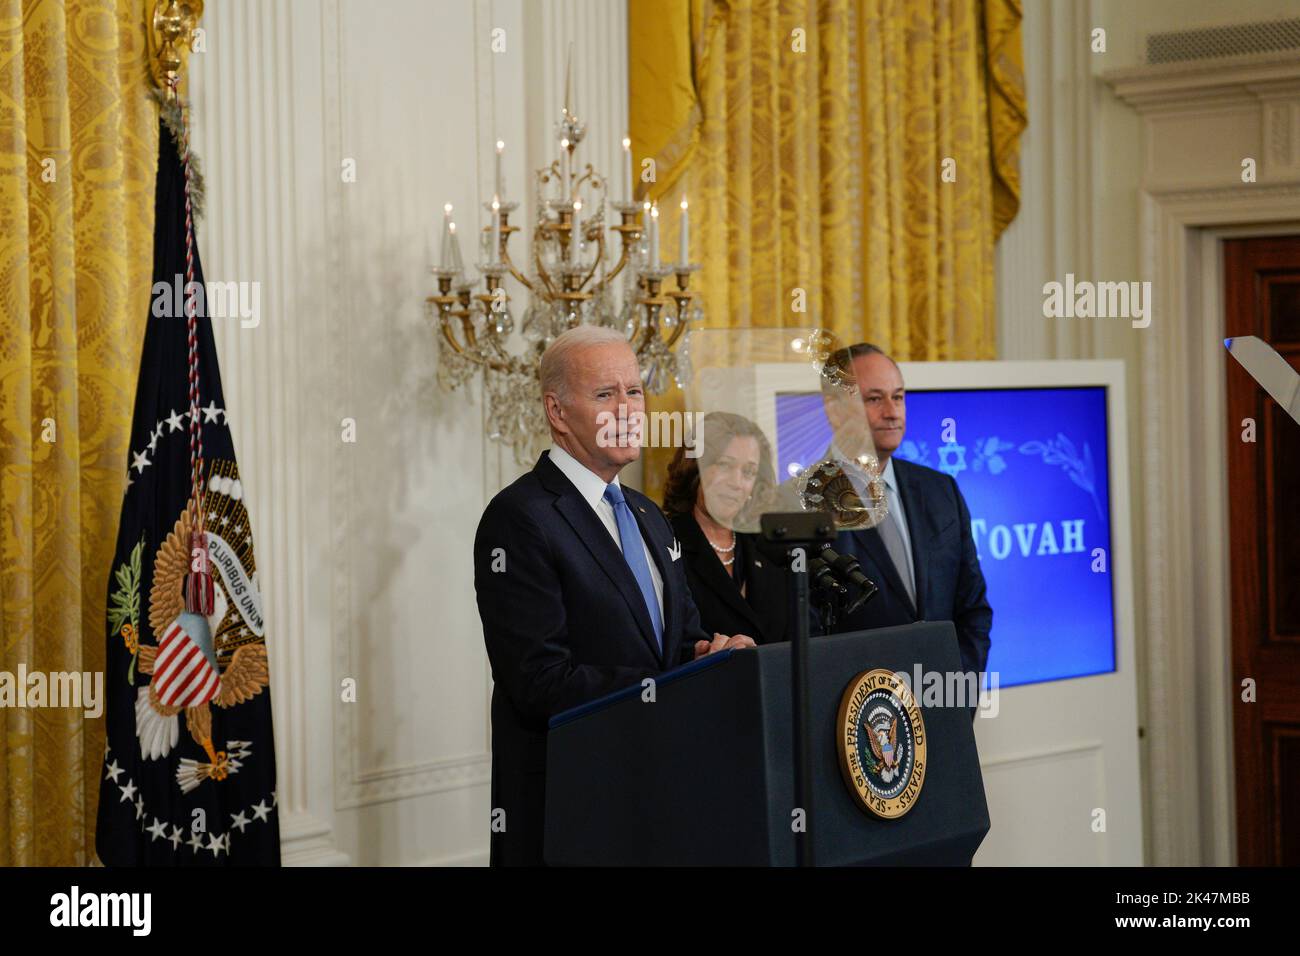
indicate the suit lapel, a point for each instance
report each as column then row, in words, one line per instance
column 658, row 548
column 713, row 575
column 873, row 546
column 591, row 531
column 918, row 529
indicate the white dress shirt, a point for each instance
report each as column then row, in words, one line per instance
column 592, row 488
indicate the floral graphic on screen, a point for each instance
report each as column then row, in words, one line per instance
column 988, row 455
column 1060, row 451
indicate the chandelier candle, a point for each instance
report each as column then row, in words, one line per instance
column 576, row 235
column 496, row 231
column 564, row 170
column 457, row 264
column 684, row 242
column 444, row 256
column 500, row 182
column 627, row 170
column 654, row 236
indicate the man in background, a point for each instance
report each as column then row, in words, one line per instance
column 922, row 556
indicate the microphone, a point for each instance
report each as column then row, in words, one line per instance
column 821, row 578
column 847, row 568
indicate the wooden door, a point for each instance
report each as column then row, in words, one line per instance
column 1262, row 297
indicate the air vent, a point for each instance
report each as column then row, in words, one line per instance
column 1267, row 37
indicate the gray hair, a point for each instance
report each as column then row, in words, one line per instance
column 554, row 369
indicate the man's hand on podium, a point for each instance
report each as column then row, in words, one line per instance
column 721, row 642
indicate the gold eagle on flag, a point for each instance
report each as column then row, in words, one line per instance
column 200, row 661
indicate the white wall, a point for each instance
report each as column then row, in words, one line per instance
column 1083, row 180
column 363, row 548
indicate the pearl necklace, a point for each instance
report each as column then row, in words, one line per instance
column 728, row 562
column 721, row 551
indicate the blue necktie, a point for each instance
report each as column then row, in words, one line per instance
column 634, row 554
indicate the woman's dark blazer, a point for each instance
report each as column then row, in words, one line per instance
column 761, row 614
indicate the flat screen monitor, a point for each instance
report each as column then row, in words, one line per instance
column 1033, row 465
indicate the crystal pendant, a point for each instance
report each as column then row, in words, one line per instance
column 503, row 323
column 684, row 371
column 628, row 317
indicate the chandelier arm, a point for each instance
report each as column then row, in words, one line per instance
column 509, row 263
column 467, row 326
column 595, row 263
column 467, row 353
column 623, row 258
column 451, row 340
column 494, row 343
column 649, row 332
column 470, row 353
column 505, row 258
column 677, row 331
column 589, row 174
column 541, row 271
column 638, row 330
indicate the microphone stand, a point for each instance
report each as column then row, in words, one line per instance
column 794, row 538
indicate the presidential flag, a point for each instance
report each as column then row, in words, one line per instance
column 189, row 768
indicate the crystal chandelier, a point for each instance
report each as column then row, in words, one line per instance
column 572, row 275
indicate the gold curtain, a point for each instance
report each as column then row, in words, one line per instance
column 814, row 139
column 78, row 156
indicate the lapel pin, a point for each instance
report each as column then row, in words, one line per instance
column 758, row 563
column 640, row 509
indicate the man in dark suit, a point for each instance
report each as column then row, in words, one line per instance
column 922, row 557
column 579, row 580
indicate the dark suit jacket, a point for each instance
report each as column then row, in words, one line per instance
column 949, row 583
column 564, row 622
column 761, row 613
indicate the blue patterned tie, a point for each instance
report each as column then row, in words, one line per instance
column 634, row 554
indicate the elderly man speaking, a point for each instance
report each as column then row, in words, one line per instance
column 579, row 582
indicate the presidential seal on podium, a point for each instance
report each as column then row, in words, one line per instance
column 881, row 743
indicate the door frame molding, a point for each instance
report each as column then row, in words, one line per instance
column 1188, row 202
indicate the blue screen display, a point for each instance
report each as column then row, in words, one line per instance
column 1032, row 464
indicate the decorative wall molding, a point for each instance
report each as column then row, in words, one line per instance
column 363, row 779
column 1258, row 198
column 308, row 841
column 254, row 119
column 1202, row 119
column 1193, row 85
column 1006, row 761
column 1183, row 409
column 1060, row 159
column 435, row 776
